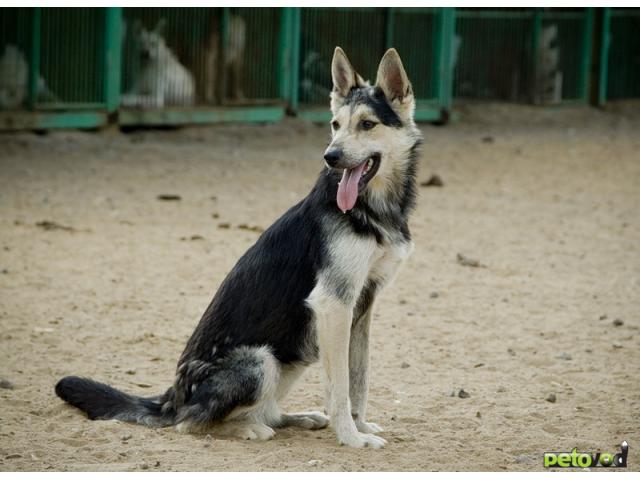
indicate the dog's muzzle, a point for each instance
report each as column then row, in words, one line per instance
column 333, row 157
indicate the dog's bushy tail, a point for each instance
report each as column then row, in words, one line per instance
column 102, row 402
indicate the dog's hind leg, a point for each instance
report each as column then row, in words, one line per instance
column 245, row 430
column 234, row 395
column 309, row 420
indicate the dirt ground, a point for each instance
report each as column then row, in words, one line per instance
column 548, row 201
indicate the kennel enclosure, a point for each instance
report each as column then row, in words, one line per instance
column 230, row 55
column 421, row 35
column 89, row 67
column 53, row 76
column 73, row 67
column 526, row 55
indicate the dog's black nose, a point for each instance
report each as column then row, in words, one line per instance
column 332, row 157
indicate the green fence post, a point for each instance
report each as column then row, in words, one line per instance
column 603, row 77
column 295, row 39
column 437, row 52
column 112, row 57
column 535, row 49
column 34, row 64
column 584, row 79
column 224, row 35
column 285, row 73
column 443, row 80
column 284, row 64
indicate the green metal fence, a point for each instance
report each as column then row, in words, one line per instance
column 52, row 75
column 421, row 35
column 620, row 54
column 87, row 67
column 218, row 64
column 523, row 54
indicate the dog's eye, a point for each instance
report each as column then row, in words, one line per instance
column 335, row 125
column 367, row 124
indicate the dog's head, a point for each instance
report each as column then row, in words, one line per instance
column 372, row 129
column 152, row 43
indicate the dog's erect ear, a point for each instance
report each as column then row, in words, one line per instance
column 392, row 78
column 161, row 26
column 343, row 75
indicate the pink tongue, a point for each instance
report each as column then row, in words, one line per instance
column 348, row 187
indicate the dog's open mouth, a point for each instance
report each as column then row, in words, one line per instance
column 354, row 180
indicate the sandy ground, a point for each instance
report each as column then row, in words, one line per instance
column 547, row 200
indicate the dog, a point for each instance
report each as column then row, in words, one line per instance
column 548, row 76
column 313, row 84
column 14, row 80
column 208, row 68
column 305, row 290
column 162, row 79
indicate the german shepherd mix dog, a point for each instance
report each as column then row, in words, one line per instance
column 304, row 291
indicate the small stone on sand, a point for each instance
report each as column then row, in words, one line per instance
column 463, row 393
column 564, row 356
column 169, row 197
column 433, row 181
column 6, row 384
column 468, row 262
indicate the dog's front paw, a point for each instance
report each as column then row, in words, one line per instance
column 360, row 440
column 368, row 427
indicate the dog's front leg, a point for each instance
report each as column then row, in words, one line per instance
column 333, row 319
column 359, row 371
